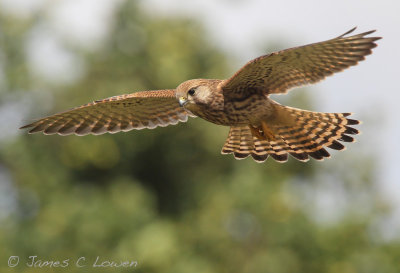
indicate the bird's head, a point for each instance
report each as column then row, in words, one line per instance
column 193, row 95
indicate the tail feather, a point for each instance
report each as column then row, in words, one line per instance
column 302, row 134
column 239, row 142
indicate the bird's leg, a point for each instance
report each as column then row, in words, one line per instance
column 262, row 132
column 268, row 134
column 256, row 132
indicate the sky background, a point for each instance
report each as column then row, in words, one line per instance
column 244, row 29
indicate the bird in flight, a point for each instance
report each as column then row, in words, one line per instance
column 259, row 126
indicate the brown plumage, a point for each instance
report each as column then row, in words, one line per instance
column 259, row 126
column 147, row 109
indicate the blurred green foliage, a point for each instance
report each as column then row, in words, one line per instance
column 166, row 198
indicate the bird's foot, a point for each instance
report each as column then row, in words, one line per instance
column 262, row 132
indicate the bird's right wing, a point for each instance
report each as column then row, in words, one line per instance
column 146, row 109
column 280, row 71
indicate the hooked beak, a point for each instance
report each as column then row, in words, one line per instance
column 182, row 101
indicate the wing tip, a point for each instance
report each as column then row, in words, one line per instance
column 348, row 32
column 25, row 127
column 362, row 35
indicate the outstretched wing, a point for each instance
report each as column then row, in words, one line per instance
column 147, row 109
column 280, row 71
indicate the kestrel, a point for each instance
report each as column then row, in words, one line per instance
column 259, row 126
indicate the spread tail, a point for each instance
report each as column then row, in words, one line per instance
column 291, row 131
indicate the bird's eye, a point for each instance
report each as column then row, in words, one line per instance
column 192, row 91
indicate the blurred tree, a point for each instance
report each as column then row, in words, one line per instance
column 165, row 197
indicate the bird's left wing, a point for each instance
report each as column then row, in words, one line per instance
column 280, row 71
column 146, row 109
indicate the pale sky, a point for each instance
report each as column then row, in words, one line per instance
column 243, row 28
